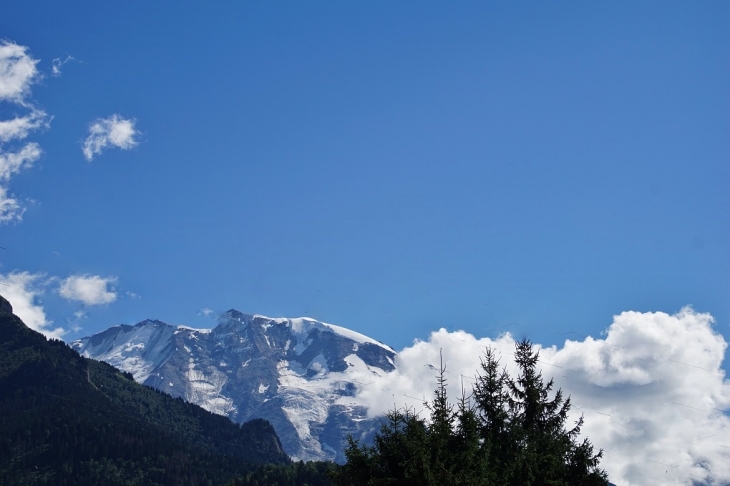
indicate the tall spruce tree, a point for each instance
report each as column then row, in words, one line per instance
column 509, row 431
column 545, row 453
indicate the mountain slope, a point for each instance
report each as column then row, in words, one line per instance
column 65, row 419
column 296, row 373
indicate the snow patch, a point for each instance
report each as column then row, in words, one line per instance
column 204, row 388
column 307, row 400
column 302, row 326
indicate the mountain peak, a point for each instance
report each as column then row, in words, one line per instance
column 299, row 373
column 151, row 322
column 235, row 318
column 299, row 326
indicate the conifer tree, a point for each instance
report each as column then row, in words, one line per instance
column 544, row 449
column 492, row 413
column 441, row 440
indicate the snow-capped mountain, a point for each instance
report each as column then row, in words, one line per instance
column 300, row 374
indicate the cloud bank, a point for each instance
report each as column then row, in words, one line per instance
column 88, row 289
column 18, row 72
column 652, row 391
column 113, row 131
column 22, row 290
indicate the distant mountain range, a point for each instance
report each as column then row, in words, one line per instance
column 68, row 420
column 299, row 374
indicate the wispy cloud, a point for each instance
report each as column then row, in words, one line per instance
column 89, row 289
column 652, row 391
column 206, row 312
column 18, row 72
column 58, row 63
column 13, row 162
column 20, row 127
column 10, row 209
column 22, row 290
column 113, row 131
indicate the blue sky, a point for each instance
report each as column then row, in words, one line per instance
column 392, row 168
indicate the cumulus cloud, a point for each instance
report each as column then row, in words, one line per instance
column 652, row 391
column 22, row 289
column 114, row 131
column 18, row 72
column 89, row 289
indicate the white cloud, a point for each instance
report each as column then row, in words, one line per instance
column 10, row 210
column 21, row 289
column 58, row 63
column 206, row 312
column 652, row 391
column 89, row 289
column 18, row 72
column 114, row 131
column 20, row 127
column 13, row 162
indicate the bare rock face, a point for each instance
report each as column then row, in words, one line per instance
column 299, row 374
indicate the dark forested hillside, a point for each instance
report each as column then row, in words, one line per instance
column 65, row 419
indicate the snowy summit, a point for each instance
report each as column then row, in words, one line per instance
column 300, row 374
